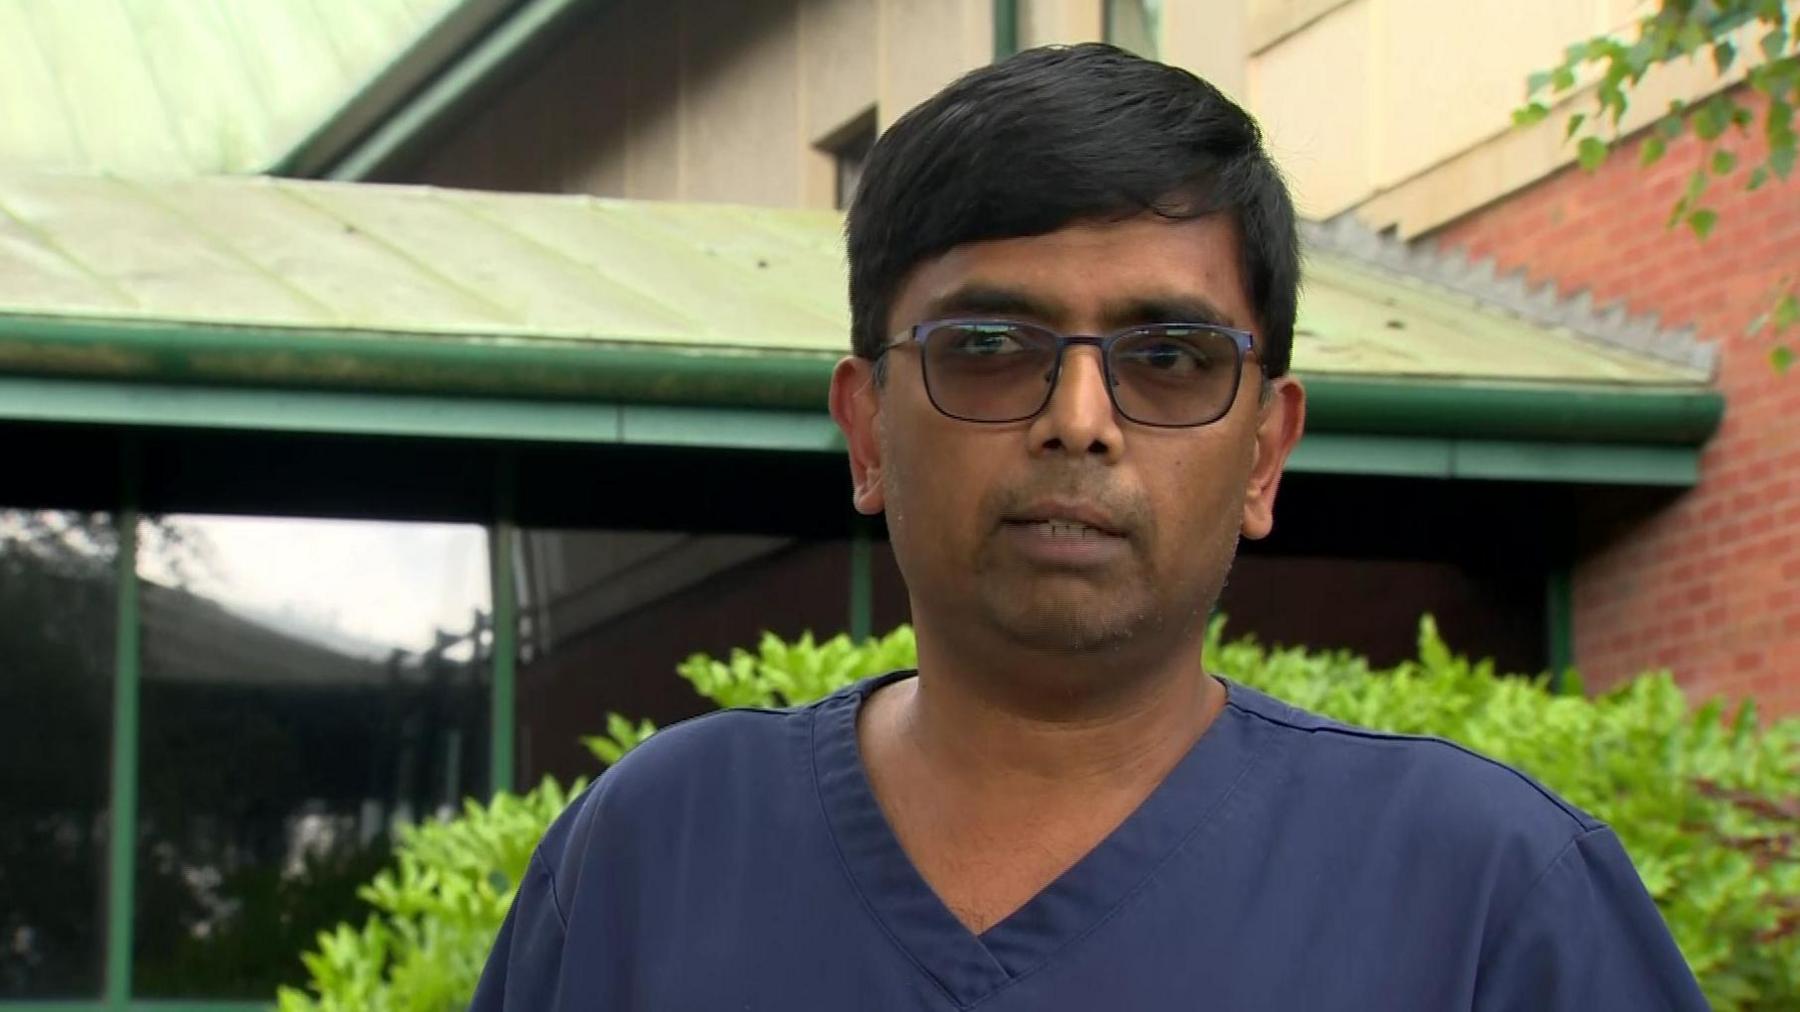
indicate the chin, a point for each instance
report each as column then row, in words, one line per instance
column 1066, row 624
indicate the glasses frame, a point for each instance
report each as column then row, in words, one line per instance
column 1242, row 340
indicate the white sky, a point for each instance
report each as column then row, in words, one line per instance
column 368, row 583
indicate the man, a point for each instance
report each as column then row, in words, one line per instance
column 1073, row 279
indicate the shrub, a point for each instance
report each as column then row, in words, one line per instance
column 1708, row 808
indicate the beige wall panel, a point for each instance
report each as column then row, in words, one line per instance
column 543, row 133
column 653, row 156
column 741, row 102
column 839, row 42
column 1448, row 75
column 1513, row 159
column 606, row 139
column 926, row 45
column 1312, row 95
column 1044, row 22
column 1270, row 21
column 1208, row 37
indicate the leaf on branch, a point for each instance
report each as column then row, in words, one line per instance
column 1713, row 118
column 1562, row 78
column 1787, row 312
column 1696, row 186
column 1774, row 43
column 1537, row 82
column 1654, row 147
column 1702, row 222
column 1690, row 38
column 1782, row 358
column 1781, row 161
column 1591, row 153
column 1575, row 122
column 1723, row 162
column 1724, row 55
column 1529, row 114
column 1758, row 176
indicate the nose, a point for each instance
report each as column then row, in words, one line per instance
column 1079, row 420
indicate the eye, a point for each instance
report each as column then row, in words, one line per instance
column 1171, row 353
column 985, row 340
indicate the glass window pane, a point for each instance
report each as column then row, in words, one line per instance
column 1135, row 25
column 307, row 685
column 606, row 616
column 58, row 602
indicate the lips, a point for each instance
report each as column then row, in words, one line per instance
column 1066, row 519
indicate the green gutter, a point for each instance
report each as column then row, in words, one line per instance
column 534, row 26
column 1683, row 415
column 648, row 373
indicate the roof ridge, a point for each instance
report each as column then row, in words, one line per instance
column 1612, row 325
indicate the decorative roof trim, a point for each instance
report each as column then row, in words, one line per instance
column 1611, row 326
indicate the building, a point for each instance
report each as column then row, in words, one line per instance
column 332, row 502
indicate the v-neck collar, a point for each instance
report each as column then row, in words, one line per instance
column 972, row 967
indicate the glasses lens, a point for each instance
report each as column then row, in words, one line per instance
column 989, row 371
column 1175, row 374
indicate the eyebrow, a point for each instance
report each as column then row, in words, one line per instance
column 980, row 299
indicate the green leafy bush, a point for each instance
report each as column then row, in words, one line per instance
column 1709, row 808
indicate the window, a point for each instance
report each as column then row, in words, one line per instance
column 849, row 148
column 605, row 617
column 1135, row 25
column 58, row 584
column 307, row 686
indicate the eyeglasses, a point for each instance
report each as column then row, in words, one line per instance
column 1171, row 375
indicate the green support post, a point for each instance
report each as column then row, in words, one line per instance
column 1560, row 623
column 862, row 589
column 502, row 705
column 1006, row 28
column 122, row 838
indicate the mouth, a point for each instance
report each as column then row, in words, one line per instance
column 1064, row 520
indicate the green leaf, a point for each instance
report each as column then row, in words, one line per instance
column 1758, row 176
column 1723, row 162
column 1782, row 358
column 1591, row 153
column 1774, row 43
column 1575, row 122
column 1537, row 82
column 1690, row 37
column 1530, row 113
column 1654, row 147
column 1724, row 55
column 1702, row 222
column 1562, row 78
column 1711, row 119
column 1787, row 311
column 1671, row 125
column 1781, row 161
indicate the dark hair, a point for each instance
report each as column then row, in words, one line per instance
column 1052, row 135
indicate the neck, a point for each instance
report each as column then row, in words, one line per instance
column 1016, row 721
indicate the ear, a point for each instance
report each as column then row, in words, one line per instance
column 856, row 407
column 1280, row 421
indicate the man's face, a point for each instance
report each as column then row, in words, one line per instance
column 1073, row 530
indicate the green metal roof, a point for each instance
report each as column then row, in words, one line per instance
column 256, row 283
column 190, row 86
column 496, row 269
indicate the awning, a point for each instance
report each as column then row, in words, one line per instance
column 260, row 303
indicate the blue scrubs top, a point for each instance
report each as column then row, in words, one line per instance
column 740, row 861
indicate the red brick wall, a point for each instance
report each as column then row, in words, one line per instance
column 1709, row 585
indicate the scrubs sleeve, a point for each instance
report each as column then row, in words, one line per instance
column 524, row 970
column 1586, row 937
